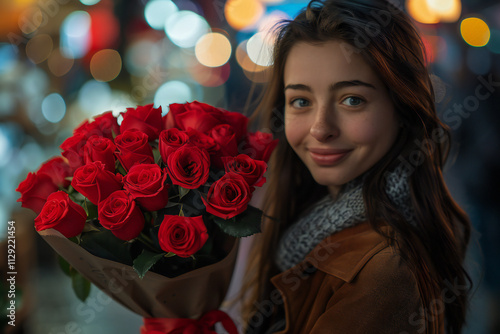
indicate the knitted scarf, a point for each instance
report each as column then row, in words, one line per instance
column 327, row 217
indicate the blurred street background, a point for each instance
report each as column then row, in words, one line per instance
column 65, row 61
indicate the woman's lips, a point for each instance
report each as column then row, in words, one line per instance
column 327, row 157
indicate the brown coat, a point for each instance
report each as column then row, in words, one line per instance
column 352, row 282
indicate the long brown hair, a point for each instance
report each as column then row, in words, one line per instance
column 435, row 248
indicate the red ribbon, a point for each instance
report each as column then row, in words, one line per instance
column 204, row 325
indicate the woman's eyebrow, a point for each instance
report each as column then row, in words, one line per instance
column 336, row 86
column 350, row 83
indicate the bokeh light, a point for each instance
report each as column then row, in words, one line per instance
column 105, row 65
column 94, row 97
column 475, row 31
column 174, row 91
column 259, row 49
column 58, row 64
column 241, row 14
column 421, row 12
column 157, row 13
column 39, row 48
column 269, row 20
column 8, row 57
column 185, row 27
column 446, row 10
column 75, row 35
column 213, row 49
column 7, row 103
column 141, row 54
column 90, row 2
column 244, row 60
column 53, row 108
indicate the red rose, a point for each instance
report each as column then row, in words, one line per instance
column 133, row 149
column 34, row 191
column 251, row 170
column 72, row 149
column 224, row 135
column 171, row 140
column 259, row 145
column 95, row 182
column 61, row 214
column 188, row 167
column 228, row 196
column 119, row 214
column 183, row 236
column 104, row 125
column 100, row 149
column 58, row 170
column 147, row 184
column 144, row 118
column 203, row 141
column 203, row 117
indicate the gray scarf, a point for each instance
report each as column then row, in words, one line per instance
column 327, row 217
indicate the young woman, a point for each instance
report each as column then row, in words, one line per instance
column 361, row 234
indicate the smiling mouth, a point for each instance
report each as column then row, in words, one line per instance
column 328, row 159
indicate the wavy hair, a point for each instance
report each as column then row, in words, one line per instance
column 387, row 39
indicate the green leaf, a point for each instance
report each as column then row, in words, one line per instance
column 157, row 156
column 90, row 208
column 80, row 284
column 65, row 266
column 183, row 192
column 145, row 261
column 242, row 225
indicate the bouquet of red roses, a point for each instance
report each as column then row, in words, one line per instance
column 150, row 210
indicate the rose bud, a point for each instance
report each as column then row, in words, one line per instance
column 61, row 214
column 171, row 140
column 189, row 166
column 119, row 214
column 228, row 196
column 147, row 184
column 224, row 135
column 259, row 145
column 183, row 236
column 133, row 148
column 143, row 118
column 104, row 125
column 100, row 149
column 34, row 191
column 95, row 182
column 251, row 170
column 58, row 170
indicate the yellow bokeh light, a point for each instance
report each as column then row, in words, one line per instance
column 105, row 65
column 213, row 49
column 30, row 20
column 421, row 12
column 475, row 31
column 39, row 48
column 446, row 10
column 241, row 14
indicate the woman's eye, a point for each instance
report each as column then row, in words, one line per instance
column 353, row 101
column 299, row 103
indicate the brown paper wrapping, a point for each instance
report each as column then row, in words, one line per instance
column 186, row 296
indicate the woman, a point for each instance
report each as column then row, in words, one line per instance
column 361, row 234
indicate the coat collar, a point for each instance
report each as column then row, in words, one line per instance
column 343, row 254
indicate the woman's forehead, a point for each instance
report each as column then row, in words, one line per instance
column 325, row 62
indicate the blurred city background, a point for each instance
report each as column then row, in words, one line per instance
column 64, row 61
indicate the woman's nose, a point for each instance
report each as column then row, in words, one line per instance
column 324, row 126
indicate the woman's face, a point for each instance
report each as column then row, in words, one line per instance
column 339, row 118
